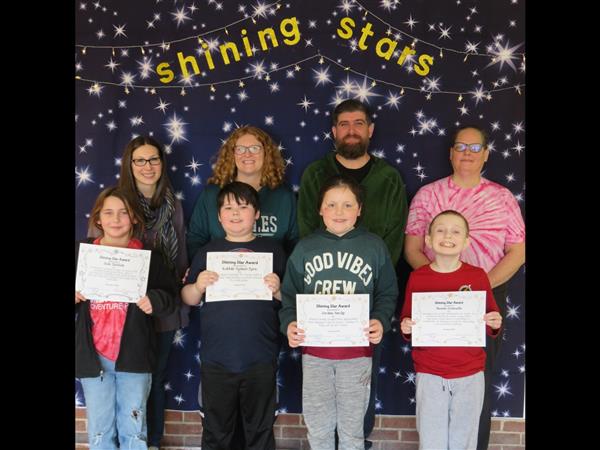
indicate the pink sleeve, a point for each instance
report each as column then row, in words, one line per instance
column 515, row 227
column 418, row 214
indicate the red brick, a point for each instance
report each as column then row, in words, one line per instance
column 182, row 428
column 409, row 436
column 510, row 425
column 82, row 447
column 193, row 441
column 192, row 417
column 384, row 435
column 80, row 413
column 496, row 425
column 169, row 440
column 81, row 425
column 293, row 432
column 494, row 447
column 291, row 444
column 173, row 416
column 398, row 422
column 399, row 446
column 288, row 419
column 505, row 438
column 81, row 438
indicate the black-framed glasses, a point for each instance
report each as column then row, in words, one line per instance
column 242, row 149
column 141, row 162
column 473, row 148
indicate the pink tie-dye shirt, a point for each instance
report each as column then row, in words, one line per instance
column 492, row 211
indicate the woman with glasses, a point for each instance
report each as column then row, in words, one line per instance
column 248, row 155
column 145, row 181
column 497, row 231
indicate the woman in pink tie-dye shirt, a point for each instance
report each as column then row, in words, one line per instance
column 497, row 230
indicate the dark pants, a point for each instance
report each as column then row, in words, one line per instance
column 156, row 400
column 492, row 349
column 225, row 393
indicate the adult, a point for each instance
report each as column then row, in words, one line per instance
column 497, row 231
column 248, row 155
column 144, row 180
column 385, row 206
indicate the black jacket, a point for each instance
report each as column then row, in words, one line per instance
column 138, row 344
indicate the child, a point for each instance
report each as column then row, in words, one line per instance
column 240, row 339
column 450, row 383
column 336, row 380
column 115, row 341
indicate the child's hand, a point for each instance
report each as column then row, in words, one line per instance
column 145, row 305
column 375, row 331
column 206, row 278
column 79, row 297
column 295, row 335
column 273, row 283
column 406, row 325
column 493, row 319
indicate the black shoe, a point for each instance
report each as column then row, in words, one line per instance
column 368, row 444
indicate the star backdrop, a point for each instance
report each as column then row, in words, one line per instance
column 169, row 69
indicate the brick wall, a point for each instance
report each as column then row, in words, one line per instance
column 183, row 429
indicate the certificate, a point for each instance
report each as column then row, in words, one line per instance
column 112, row 273
column 448, row 319
column 337, row 320
column 240, row 276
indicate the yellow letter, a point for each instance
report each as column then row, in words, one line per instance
column 388, row 54
column 183, row 64
column 263, row 41
column 407, row 51
column 208, row 56
column 162, row 69
column 294, row 32
column 234, row 52
column 347, row 24
column 366, row 31
column 246, row 43
column 425, row 70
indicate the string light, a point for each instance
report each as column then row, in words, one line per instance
column 296, row 65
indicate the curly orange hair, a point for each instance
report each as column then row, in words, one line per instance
column 273, row 168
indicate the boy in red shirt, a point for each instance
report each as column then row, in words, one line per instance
column 449, row 382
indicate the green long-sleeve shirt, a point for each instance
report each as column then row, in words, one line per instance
column 385, row 207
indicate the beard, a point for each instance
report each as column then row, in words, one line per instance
column 354, row 150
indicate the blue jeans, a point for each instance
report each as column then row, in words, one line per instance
column 116, row 408
column 157, row 400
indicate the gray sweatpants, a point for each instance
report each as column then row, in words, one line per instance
column 335, row 392
column 448, row 411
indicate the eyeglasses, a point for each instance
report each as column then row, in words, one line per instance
column 242, row 149
column 155, row 161
column 473, row 148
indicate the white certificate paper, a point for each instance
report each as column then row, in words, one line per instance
column 448, row 319
column 337, row 320
column 112, row 273
column 241, row 276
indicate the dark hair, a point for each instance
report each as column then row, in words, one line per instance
column 134, row 215
column 449, row 212
column 484, row 136
column 341, row 181
column 242, row 192
column 127, row 180
column 351, row 105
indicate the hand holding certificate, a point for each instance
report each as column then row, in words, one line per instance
column 241, row 276
column 112, row 273
column 337, row 320
column 448, row 319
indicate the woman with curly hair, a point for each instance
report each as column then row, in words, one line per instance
column 248, row 155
